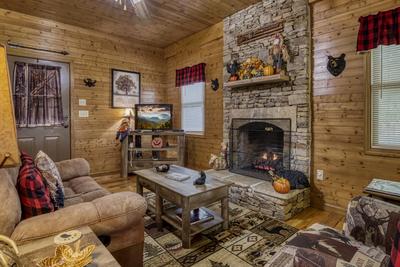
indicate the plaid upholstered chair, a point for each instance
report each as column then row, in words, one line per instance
column 366, row 240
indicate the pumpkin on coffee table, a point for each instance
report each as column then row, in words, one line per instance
column 281, row 185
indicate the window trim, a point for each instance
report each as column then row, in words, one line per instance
column 368, row 148
column 195, row 133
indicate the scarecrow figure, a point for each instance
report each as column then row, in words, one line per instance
column 279, row 54
column 123, row 130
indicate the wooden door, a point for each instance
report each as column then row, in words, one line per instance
column 53, row 139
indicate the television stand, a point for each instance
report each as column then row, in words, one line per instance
column 141, row 155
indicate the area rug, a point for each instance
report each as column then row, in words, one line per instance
column 252, row 239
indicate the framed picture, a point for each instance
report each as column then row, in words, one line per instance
column 125, row 88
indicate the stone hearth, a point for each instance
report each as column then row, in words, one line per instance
column 259, row 195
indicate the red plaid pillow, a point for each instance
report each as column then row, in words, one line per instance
column 395, row 255
column 33, row 192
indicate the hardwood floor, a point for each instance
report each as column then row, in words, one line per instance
column 115, row 183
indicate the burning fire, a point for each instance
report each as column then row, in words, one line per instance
column 267, row 162
column 265, row 156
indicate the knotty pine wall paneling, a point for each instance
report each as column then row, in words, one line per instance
column 205, row 46
column 92, row 54
column 339, row 105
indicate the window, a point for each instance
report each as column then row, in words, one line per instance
column 193, row 108
column 37, row 95
column 384, row 101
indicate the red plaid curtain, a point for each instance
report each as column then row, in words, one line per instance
column 190, row 75
column 380, row 29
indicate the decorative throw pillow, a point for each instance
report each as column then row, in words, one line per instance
column 52, row 176
column 32, row 190
column 395, row 254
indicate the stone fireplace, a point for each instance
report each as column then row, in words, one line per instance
column 259, row 146
column 285, row 100
column 267, row 126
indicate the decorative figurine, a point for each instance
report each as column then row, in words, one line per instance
column 336, row 65
column 162, row 168
column 69, row 257
column 123, row 130
column 233, row 69
column 215, row 84
column 89, row 82
column 279, row 54
column 9, row 254
column 220, row 162
column 201, row 180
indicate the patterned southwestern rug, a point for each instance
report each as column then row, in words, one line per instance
column 251, row 240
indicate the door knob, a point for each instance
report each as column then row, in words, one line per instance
column 66, row 121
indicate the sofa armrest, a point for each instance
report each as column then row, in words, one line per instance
column 106, row 215
column 371, row 221
column 73, row 168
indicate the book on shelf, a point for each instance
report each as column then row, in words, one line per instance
column 196, row 216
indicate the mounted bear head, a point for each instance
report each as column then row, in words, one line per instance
column 336, row 65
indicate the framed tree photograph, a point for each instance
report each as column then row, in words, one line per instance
column 125, row 88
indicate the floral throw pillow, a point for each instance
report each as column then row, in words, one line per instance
column 52, row 176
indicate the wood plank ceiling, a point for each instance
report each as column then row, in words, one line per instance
column 155, row 22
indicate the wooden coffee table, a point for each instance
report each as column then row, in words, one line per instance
column 32, row 252
column 187, row 196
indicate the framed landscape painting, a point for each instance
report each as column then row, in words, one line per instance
column 125, row 88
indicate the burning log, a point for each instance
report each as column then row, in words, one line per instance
column 268, row 162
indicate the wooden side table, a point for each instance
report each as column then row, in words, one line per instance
column 34, row 251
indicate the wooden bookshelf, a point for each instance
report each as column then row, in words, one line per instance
column 171, row 154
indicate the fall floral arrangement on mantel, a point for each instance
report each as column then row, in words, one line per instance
column 253, row 67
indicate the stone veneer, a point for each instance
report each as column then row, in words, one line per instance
column 258, row 195
column 287, row 100
column 284, row 100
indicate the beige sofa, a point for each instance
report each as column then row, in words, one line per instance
column 118, row 215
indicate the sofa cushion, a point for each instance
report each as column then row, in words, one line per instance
column 105, row 216
column 85, row 187
column 49, row 171
column 32, row 190
column 10, row 214
column 73, row 168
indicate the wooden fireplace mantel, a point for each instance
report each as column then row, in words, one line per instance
column 277, row 78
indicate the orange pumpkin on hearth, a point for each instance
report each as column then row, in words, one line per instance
column 281, row 185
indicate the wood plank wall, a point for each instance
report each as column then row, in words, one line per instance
column 339, row 105
column 92, row 54
column 205, row 46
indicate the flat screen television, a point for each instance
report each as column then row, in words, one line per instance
column 153, row 117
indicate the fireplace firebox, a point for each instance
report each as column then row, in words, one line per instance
column 259, row 146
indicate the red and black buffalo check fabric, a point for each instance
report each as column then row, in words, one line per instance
column 190, row 75
column 32, row 190
column 395, row 255
column 380, row 29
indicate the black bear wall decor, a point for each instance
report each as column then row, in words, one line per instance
column 215, row 84
column 336, row 65
column 89, row 82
